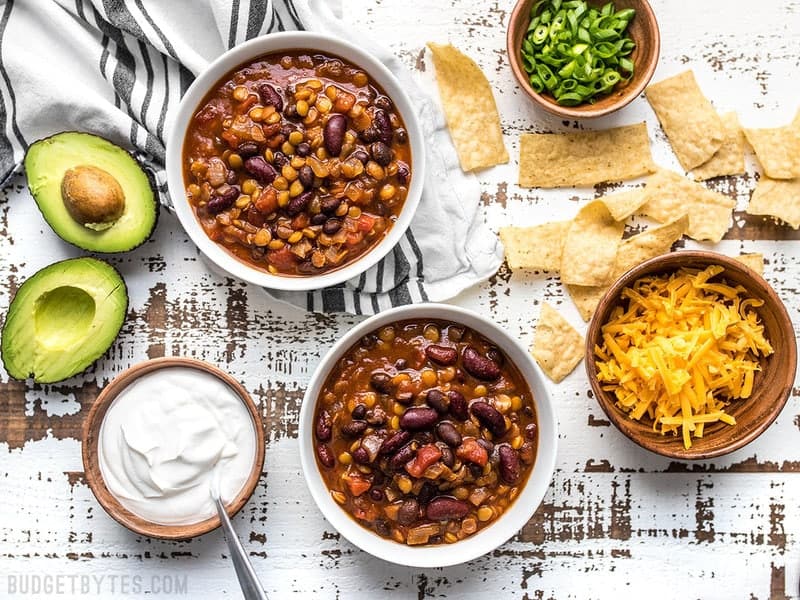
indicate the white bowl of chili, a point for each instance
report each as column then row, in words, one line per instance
column 347, row 453
column 253, row 170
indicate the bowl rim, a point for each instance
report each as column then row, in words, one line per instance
column 760, row 287
column 91, row 461
column 241, row 54
column 584, row 111
column 513, row 519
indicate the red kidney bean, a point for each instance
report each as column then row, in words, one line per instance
column 361, row 456
column 443, row 508
column 369, row 135
column 333, row 134
column 231, row 177
column 530, row 431
column 487, row 445
column 418, row 418
column 458, row 405
column 270, row 96
column 319, row 219
column 401, row 457
column 448, row 458
column 384, row 126
column 329, row 205
column 409, row 512
column 527, row 453
column 401, row 135
column 509, row 464
column 441, row 355
column 392, row 444
column 479, row 366
column 489, row 417
column 403, row 172
column 332, row 225
column 325, row 456
column 324, row 426
column 222, row 199
column 495, row 355
column 381, row 153
column 383, row 102
column 448, row 434
column 306, row 176
column 247, row 149
column 359, row 411
column 280, row 160
column 437, row 401
column 400, row 364
column 404, row 397
column 376, row 494
column 260, row 169
column 303, row 149
column 299, row 204
column 354, row 428
column 362, row 156
column 381, row 527
column 380, row 381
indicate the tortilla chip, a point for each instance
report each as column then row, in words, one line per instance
column 622, row 205
column 754, row 260
column 632, row 252
column 729, row 159
column 469, row 108
column 557, row 345
column 670, row 195
column 777, row 149
column 584, row 158
column 590, row 247
column 778, row 198
column 693, row 127
column 537, row 247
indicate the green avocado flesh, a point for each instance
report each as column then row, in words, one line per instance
column 62, row 319
column 49, row 160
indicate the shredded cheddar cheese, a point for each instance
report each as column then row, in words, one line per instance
column 680, row 348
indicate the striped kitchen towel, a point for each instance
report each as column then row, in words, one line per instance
column 117, row 67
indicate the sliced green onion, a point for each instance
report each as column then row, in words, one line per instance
column 575, row 52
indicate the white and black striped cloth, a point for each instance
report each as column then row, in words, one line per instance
column 116, row 67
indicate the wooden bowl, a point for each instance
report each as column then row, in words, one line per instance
column 771, row 386
column 643, row 30
column 91, row 464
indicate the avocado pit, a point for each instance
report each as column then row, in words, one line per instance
column 92, row 196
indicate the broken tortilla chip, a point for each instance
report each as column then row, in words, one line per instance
column 590, row 247
column 632, row 252
column 469, row 108
column 777, row 198
column 622, row 205
column 670, row 195
column 557, row 345
column 694, row 129
column 729, row 159
column 584, row 158
column 777, row 149
column 537, row 247
column 753, row 260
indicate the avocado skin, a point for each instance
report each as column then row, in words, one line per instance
column 54, row 220
column 91, row 358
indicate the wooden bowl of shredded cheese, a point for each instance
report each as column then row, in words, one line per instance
column 691, row 355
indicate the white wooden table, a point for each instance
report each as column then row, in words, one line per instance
column 618, row 522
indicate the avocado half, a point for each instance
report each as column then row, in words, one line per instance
column 93, row 193
column 62, row 319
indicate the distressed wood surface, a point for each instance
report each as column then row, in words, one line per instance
column 616, row 522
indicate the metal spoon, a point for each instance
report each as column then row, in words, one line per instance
column 251, row 586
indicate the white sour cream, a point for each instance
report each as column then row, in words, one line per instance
column 171, row 435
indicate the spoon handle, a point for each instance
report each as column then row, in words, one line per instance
column 251, row 586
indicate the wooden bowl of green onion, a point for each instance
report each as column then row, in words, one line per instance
column 583, row 58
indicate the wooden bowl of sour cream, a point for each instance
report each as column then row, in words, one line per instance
column 149, row 461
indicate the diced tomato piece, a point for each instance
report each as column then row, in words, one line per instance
column 426, row 456
column 365, row 222
column 282, row 259
column 472, row 451
column 357, row 485
column 301, row 221
column 247, row 104
column 267, row 201
column 344, row 101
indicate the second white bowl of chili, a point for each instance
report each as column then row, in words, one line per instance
column 427, row 437
column 295, row 161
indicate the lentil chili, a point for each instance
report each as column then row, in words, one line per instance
column 425, row 432
column 297, row 163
